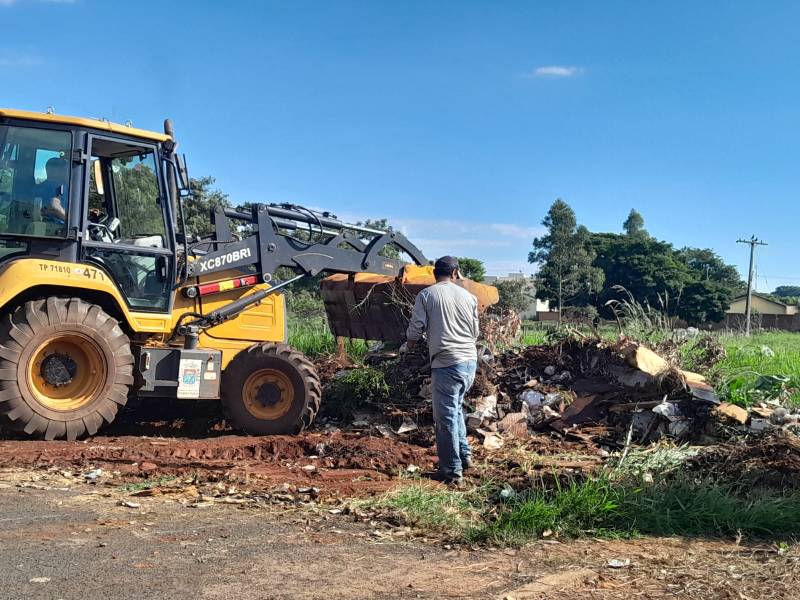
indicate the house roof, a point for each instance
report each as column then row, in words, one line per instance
column 763, row 297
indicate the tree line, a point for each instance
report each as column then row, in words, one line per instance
column 583, row 270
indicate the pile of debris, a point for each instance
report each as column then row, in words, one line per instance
column 608, row 394
column 771, row 460
column 580, row 388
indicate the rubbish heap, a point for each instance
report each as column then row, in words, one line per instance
column 587, row 390
column 591, row 389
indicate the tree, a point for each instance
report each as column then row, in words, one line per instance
column 647, row 268
column 787, row 291
column 634, row 224
column 692, row 283
column 197, row 210
column 389, row 250
column 471, row 268
column 566, row 273
column 709, row 266
column 704, row 301
column 514, row 295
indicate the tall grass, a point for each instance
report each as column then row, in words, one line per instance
column 313, row 338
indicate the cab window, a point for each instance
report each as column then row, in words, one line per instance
column 34, row 181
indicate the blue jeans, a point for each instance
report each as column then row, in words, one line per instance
column 450, row 384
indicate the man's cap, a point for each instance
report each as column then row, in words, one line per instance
column 446, row 264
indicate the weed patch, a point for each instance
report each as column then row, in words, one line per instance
column 148, row 484
column 353, row 390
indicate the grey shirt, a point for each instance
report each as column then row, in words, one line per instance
column 449, row 314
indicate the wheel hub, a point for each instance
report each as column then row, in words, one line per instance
column 268, row 394
column 58, row 369
column 67, row 371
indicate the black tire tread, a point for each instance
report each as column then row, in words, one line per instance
column 305, row 368
column 20, row 327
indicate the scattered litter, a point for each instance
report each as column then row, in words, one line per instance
column 532, row 399
column 129, row 504
column 407, row 426
column 386, row 431
column 485, row 410
column 616, row 563
column 39, row 580
column 492, row 440
column 93, row 475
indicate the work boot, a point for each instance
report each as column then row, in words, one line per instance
column 454, row 480
column 466, row 463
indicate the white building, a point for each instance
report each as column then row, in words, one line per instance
column 536, row 306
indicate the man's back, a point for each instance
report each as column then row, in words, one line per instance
column 449, row 313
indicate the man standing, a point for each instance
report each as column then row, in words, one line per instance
column 449, row 314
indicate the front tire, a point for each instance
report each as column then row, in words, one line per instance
column 271, row 389
column 65, row 368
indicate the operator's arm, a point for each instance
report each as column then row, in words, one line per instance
column 55, row 209
column 418, row 322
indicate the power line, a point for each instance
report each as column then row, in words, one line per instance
column 752, row 242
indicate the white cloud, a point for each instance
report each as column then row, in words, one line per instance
column 13, row 60
column 503, row 247
column 457, row 228
column 555, row 71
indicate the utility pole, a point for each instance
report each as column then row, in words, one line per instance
column 753, row 242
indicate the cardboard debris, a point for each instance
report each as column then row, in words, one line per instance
column 732, row 412
column 514, row 425
column 407, row 426
column 645, row 360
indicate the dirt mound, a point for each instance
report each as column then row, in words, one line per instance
column 771, row 460
column 332, row 462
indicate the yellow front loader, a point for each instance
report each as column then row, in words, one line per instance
column 104, row 294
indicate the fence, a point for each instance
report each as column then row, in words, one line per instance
column 758, row 321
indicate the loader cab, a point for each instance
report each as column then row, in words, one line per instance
column 86, row 191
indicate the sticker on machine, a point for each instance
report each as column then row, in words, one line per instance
column 189, row 372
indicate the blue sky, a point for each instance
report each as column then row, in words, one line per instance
column 461, row 121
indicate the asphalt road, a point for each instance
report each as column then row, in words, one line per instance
column 61, row 538
column 80, row 544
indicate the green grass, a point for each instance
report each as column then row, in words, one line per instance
column 598, row 507
column 442, row 510
column 601, row 507
column 739, row 373
column 313, row 338
column 355, row 389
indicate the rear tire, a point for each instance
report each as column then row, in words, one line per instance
column 65, row 368
column 270, row 389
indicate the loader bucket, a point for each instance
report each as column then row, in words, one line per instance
column 377, row 307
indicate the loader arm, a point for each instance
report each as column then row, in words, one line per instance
column 328, row 246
